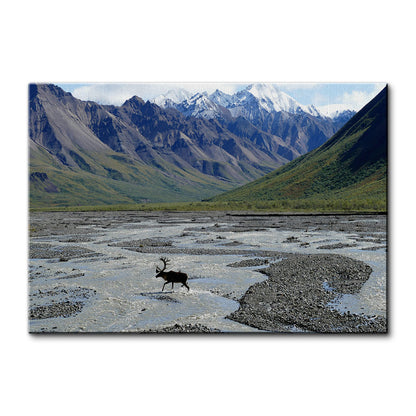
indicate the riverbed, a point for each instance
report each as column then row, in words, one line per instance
column 95, row 271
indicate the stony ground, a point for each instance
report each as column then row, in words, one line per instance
column 298, row 291
column 297, row 294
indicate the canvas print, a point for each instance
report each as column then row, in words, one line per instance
column 208, row 208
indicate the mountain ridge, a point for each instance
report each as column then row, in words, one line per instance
column 137, row 152
column 271, row 110
column 141, row 152
column 352, row 164
column 267, row 97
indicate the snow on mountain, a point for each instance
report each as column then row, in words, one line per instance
column 312, row 110
column 221, row 98
column 272, row 99
column 172, row 97
column 262, row 96
column 199, row 105
column 249, row 103
column 335, row 110
column 245, row 104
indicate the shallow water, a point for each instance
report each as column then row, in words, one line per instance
column 128, row 297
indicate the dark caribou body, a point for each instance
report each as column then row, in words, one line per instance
column 171, row 276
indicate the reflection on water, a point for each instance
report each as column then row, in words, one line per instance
column 128, row 297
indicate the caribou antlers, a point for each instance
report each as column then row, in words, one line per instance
column 165, row 262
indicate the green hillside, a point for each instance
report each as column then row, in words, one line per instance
column 349, row 171
column 112, row 178
column 86, row 154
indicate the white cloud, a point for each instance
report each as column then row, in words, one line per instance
column 117, row 94
column 306, row 93
column 357, row 99
column 113, row 93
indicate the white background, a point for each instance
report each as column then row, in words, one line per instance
column 125, row 41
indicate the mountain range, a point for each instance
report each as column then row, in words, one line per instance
column 267, row 108
column 246, row 102
column 351, row 166
column 180, row 147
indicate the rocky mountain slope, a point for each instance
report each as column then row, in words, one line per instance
column 84, row 153
column 303, row 128
column 351, row 165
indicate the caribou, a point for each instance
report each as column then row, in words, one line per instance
column 171, row 276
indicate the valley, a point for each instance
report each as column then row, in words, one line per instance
column 83, row 153
column 276, row 212
column 350, row 166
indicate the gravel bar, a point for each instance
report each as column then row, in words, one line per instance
column 299, row 292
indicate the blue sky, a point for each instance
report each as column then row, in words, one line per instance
column 353, row 95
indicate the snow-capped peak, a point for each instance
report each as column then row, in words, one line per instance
column 200, row 105
column 246, row 102
column 311, row 109
column 221, row 98
column 175, row 96
column 271, row 98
